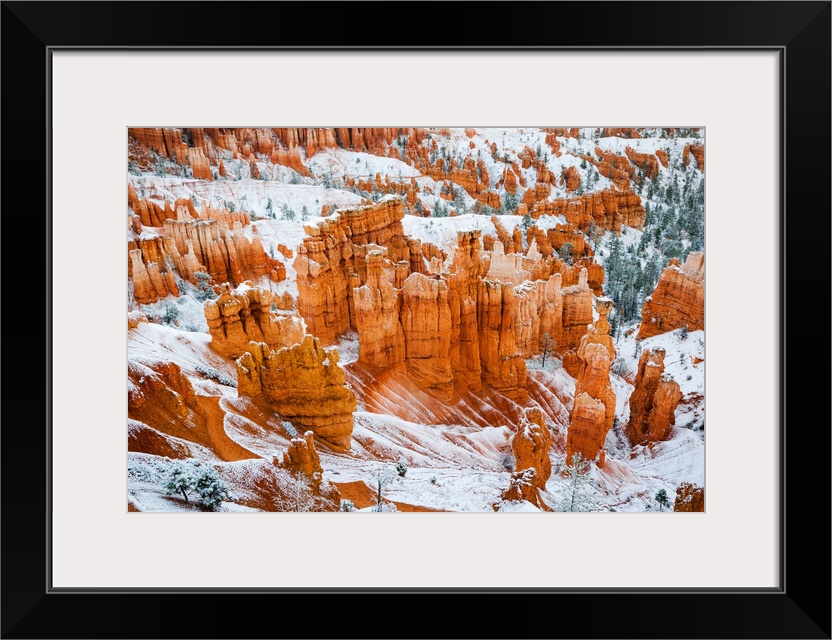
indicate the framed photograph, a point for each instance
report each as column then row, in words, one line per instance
column 457, row 280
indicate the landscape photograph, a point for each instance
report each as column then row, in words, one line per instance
column 415, row 319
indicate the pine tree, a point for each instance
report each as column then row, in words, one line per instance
column 662, row 499
column 180, row 479
column 189, row 475
column 212, row 489
column 401, row 467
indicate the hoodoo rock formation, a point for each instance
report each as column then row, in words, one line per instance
column 587, row 430
column 191, row 242
column 678, row 299
column 463, row 278
column 150, row 281
column 571, row 178
column 698, row 152
column 577, row 311
column 331, row 262
column 511, row 242
column 205, row 147
column 530, row 446
column 304, row 384
column 653, row 401
column 244, row 315
column 597, row 333
column 380, row 334
column 426, row 322
column 474, row 319
column 689, row 497
column 502, row 366
column 620, row 132
column 226, row 254
column 616, row 168
column 302, row 457
column 322, row 285
column 593, row 412
column 507, row 268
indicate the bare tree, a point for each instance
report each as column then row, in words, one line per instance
column 299, row 496
column 545, row 346
column 384, row 476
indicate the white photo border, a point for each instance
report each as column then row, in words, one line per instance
column 97, row 95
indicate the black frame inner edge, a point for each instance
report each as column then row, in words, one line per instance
column 412, row 590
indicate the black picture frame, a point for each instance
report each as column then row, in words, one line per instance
column 799, row 608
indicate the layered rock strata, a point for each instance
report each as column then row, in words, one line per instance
column 331, row 262
column 426, row 324
column 244, row 315
column 608, row 209
column 377, row 304
column 303, row 383
column 678, row 299
column 577, row 311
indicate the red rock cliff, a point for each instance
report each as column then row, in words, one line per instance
column 678, row 300
column 571, row 178
column 608, row 209
column 152, row 280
